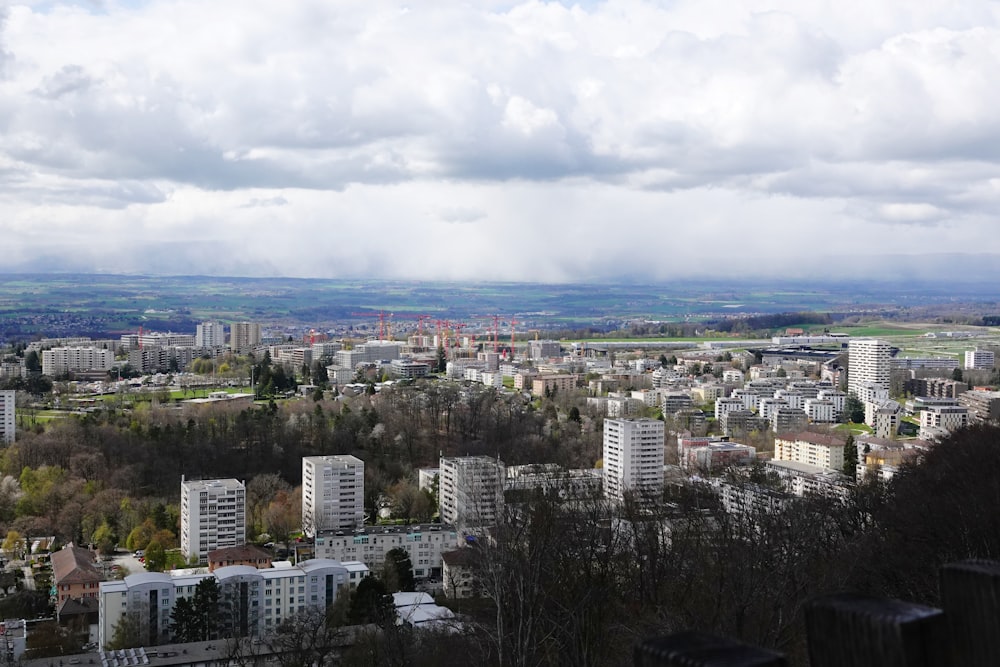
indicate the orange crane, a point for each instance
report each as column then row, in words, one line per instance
column 381, row 322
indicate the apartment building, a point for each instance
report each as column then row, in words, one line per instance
column 210, row 334
column 540, row 384
column 869, row 363
column 939, row 420
column 424, row 544
column 333, row 493
column 62, row 360
column 244, row 336
column 213, row 515
column 470, row 490
column 816, row 449
column 979, row 359
column 7, row 421
column 252, row 601
column 633, row 457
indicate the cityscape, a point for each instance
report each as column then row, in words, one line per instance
column 513, row 333
column 406, row 462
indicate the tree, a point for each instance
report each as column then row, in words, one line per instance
column 284, row 516
column 850, row 458
column 32, row 362
column 305, row 639
column 197, row 618
column 957, row 375
column 397, row 571
column 128, row 632
column 854, row 409
column 156, row 557
column 105, row 538
column 371, row 603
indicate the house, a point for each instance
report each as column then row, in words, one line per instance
column 245, row 554
column 75, row 574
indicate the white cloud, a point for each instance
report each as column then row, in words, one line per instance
column 594, row 138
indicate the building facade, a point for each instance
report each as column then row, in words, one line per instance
column 470, row 490
column 210, row 334
column 869, row 363
column 244, row 336
column 979, row 359
column 7, row 421
column 213, row 515
column 815, row 449
column 62, row 360
column 424, row 544
column 333, row 493
column 633, row 457
column 252, row 602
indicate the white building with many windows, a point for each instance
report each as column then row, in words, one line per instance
column 633, row 457
column 213, row 515
column 7, row 423
column 470, row 490
column 210, row 334
column 979, row 359
column 424, row 544
column 868, row 364
column 252, row 602
column 333, row 493
column 244, row 336
column 62, row 360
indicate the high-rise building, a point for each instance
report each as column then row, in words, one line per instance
column 7, row 415
column 633, row 457
column 470, row 490
column 213, row 515
column 868, row 364
column 210, row 334
column 979, row 359
column 333, row 493
column 243, row 336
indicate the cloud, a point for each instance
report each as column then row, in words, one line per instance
column 596, row 138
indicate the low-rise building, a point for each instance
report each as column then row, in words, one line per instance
column 75, row 574
column 942, row 419
column 424, row 544
column 816, row 449
column 244, row 554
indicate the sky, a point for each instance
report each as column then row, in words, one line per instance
column 500, row 140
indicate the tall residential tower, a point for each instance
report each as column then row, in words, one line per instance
column 213, row 515
column 633, row 457
column 333, row 493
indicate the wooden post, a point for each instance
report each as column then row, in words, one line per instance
column 697, row 649
column 970, row 596
column 859, row 631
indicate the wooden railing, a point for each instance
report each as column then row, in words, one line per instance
column 848, row 630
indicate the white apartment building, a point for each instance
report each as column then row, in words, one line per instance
column 942, row 419
column 838, row 398
column 244, row 336
column 7, row 423
column 333, row 493
column 820, row 410
column 633, row 457
column 252, row 602
column 723, row 406
column 979, row 359
column 868, row 363
column 61, row 360
column 470, row 490
column 213, row 515
column 815, row 449
column 210, row 334
column 424, row 544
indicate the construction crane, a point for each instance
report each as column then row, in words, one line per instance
column 513, row 323
column 382, row 315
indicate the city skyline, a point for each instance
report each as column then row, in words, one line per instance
column 498, row 140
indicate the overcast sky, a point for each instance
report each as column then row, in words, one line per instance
column 540, row 141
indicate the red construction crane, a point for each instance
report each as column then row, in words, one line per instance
column 381, row 322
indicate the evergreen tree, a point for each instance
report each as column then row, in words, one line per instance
column 850, row 458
